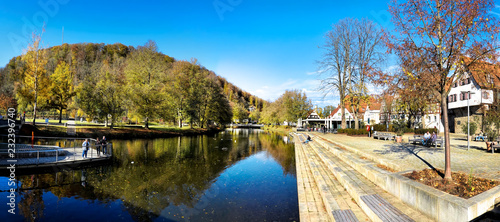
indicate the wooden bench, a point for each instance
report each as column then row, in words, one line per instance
column 383, row 209
column 419, row 139
column 385, row 136
column 415, row 139
column 485, row 138
column 439, row 140
column 496, row 146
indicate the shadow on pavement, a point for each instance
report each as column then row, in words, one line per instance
column 404, row 150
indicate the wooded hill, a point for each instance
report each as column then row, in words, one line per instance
column 109, row 82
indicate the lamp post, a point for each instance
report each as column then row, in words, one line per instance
column 468, row 114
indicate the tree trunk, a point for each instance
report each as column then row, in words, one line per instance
column 342, row 111
column 34, row 112
column 356, row 123
column 146, row 123
column 106, row 122
column 444, row 113
column 60, row 114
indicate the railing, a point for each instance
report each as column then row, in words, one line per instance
column 72, row 149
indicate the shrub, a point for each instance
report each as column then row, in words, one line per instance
column 351, row 132
column 472, row 126
column 424, row 130
column 379, row 127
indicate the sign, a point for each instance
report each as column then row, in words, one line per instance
column 368, row 128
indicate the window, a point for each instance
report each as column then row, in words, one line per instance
column 462, row 97
column 485, row 95
column 454, row 97
column 454, row 84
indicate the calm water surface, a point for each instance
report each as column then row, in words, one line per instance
column 236, row 175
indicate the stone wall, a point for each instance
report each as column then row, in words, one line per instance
column 460, row 121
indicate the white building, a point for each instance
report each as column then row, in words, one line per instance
column 475, row 88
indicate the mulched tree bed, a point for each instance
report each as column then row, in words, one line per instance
column 463, row 185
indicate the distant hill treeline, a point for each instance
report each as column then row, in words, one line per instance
column 108, row 82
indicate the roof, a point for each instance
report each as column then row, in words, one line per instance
column 374, row 103
column 334, row 111
column 487, row 75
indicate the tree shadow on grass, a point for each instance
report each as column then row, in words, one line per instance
column 404, row 150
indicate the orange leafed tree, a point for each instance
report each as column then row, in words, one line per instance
column 436, row 36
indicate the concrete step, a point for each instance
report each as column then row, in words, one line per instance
column 375, row 202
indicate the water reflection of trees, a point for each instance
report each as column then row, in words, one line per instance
column 150, row 175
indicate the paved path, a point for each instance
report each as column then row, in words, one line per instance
column 404, row 156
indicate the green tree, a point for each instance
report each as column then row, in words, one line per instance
column 61, row 88
column 146, row 76
column 295, row 105
column 32, row 88
column 327, row 110
column 239, row 112
column 255, row 115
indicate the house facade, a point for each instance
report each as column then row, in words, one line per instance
column 474, row 90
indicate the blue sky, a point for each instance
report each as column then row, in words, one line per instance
column 263, row 47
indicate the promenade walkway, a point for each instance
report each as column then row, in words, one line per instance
column 405, row 156
column 339, row 179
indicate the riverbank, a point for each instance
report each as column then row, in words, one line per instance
column 283, row 130
column 115, row 133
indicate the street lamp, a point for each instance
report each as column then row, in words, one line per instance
column 468, row 114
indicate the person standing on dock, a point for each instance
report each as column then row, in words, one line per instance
column 98, row 146
column 103, row 143
column 85, row 147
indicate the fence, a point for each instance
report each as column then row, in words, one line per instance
column 71, row 150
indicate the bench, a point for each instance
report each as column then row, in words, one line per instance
column 496, row 146
column 419, row 139
column 415, row 139
column 383, row 209
column 439, row 140
column 485, row 138
column 385, row 136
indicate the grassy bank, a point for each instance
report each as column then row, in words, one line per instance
column 283, row 130
column 115, row 133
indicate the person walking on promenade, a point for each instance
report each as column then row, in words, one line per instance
column 85, row 147
column 98, row 146
column 103, row 144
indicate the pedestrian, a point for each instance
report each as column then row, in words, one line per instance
column 85, row 147
column 98, row 146
column 103, row 144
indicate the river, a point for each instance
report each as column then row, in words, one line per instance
column 235, row 175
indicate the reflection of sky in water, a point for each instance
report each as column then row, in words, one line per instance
column 252, row 184
column 251, row 190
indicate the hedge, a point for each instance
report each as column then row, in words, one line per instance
column 424, row 130
column 351, row 132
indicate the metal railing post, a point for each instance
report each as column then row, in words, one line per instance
column 90, row 147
